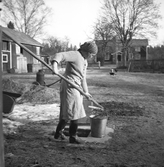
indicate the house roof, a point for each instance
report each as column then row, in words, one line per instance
column 134, row 42
column 139, row 42
column 19, row 36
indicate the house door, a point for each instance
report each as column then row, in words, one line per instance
column 22, row 64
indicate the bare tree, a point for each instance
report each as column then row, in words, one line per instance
column 131, row 18
column 103, row 32
column 28, row 16
column 54, row 45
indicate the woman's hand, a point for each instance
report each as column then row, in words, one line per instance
column 89, row 96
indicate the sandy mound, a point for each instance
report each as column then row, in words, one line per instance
column 31, row 93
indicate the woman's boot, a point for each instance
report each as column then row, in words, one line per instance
column 59, row 130
column 73, row 133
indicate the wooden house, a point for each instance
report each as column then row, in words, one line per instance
column 14, row 57
column 113, row 52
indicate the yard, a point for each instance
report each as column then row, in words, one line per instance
column 134, row 103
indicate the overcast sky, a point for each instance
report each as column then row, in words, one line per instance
column 74, row 19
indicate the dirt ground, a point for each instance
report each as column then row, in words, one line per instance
column 134, row 103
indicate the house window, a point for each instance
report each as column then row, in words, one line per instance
column 37, row 50
column 18, row 49
column 130, row 55
column 127, row 58
column 107, row 56
column 137, row 49
column 138, row 56
column 4, row 58
column 5, row 45
column 21, row 50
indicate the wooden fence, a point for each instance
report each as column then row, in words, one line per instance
column 146, row 66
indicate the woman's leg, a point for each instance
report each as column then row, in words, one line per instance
column 73, row 133
column 59, row 130
column 73, row 128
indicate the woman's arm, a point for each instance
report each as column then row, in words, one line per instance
column 84, row 85
column 85, row 88
column 55, row 67
column 84, row 82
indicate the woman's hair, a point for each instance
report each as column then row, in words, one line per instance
column 89, row 47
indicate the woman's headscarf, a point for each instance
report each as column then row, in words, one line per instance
column 90, row 47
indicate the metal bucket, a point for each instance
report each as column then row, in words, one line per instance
column 98, row 126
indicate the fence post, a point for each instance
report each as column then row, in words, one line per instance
column 153, row 65
column 1, row 108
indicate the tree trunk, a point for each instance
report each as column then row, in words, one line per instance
column 124, row 57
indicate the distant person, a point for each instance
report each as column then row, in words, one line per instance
column 99, row 65
column 71, row 100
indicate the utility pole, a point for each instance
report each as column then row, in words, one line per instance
column 1, row 103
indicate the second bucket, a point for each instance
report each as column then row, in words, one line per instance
column 98, row 126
